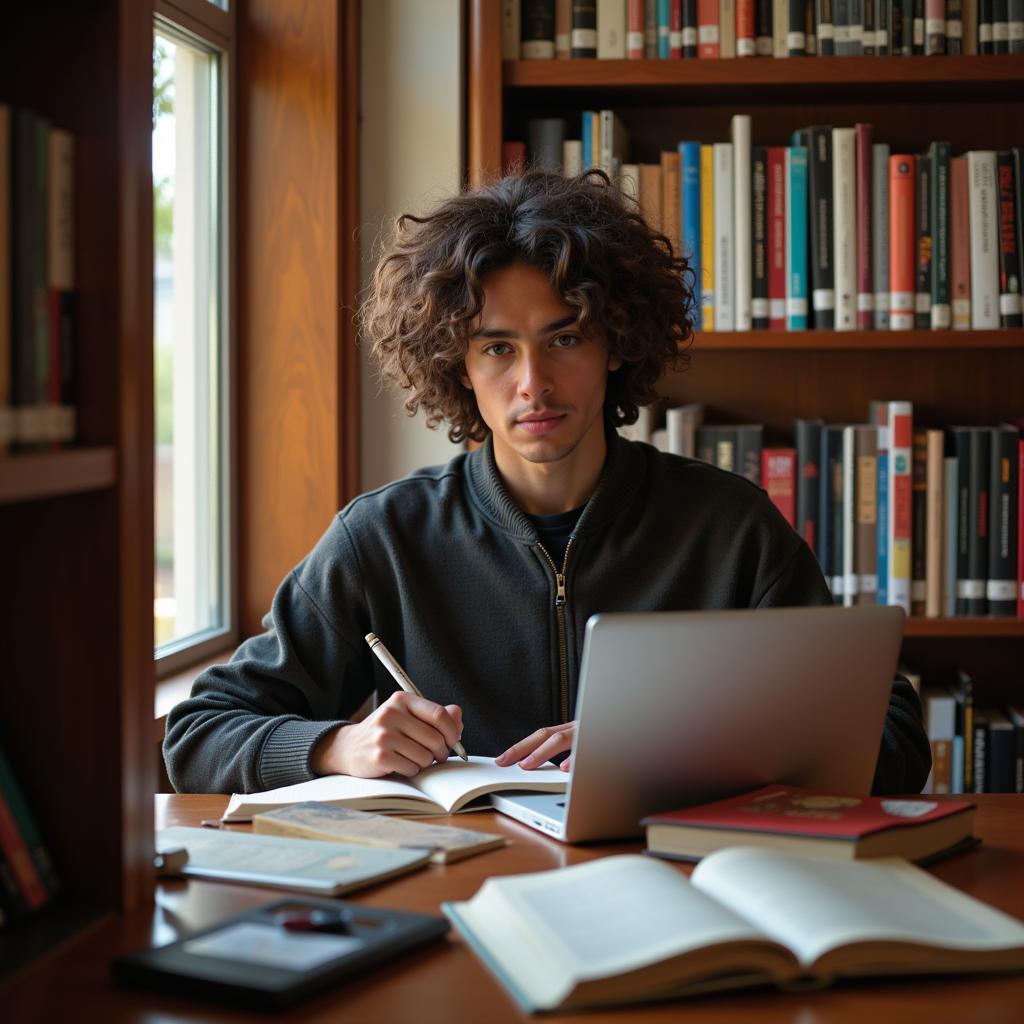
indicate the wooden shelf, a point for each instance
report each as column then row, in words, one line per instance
column 30, row 477
column 917, row 77
column 966, row 627
column 858, row 340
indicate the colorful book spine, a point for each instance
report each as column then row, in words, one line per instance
column 740, row 134
column 675, row 29
column 923, row 244
column 818, row 140
column 778, row 475
column 919, row 521
column 880, row 417
column 934, row 532
column 1010, row 313
column 777, row 220
column 689, row 164
column 725, row 308
column 900, row 420
column 984, row 233
column 901, row 242
column 1001, row 584
column 707, row 238
column 708, row 37
column 796, row 239
column 635, row 30
column 866, row 503
column 880, row 233
column 746, row 32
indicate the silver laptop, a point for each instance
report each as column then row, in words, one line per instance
column 677, row 708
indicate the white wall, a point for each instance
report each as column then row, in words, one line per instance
column 410, row 156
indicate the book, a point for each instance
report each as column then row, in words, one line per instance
column 941, row 312
column 818, row 824
column 440, row 789
column 934, row 548
column 1010, row 314
column 923, row 244
column 776, row 241
column 563, row 29
column 865, row 497
column 511, row 29
column 797, row 289
column 984, row 239
column 537, row 39
column 1001, row 583
column 865, row 278
column 960, row 247
column 634, row 30
column 880, row 233
column 901, row 242
column 725, row 284
column 345, row 825
column 808, row 480
column 304, row 865
column 918, row 521
column 622, row 929
column 706, row 321
column 611, row 29
column 818, row 140
column 740, row 136
column 844, row 236
column 778, row 476
column 899, row 515
column 759, row 318
column 940, row 725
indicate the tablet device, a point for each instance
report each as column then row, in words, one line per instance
column 278, row 953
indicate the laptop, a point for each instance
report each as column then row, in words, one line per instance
column 678, row 708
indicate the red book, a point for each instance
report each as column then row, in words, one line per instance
column 815, row 823
column 778, row 477
column 18, row 856
column 746, row 34
column 777, row 238
column 675, row 29
column 902, row 258
column 707, row 28
column 865, row 284
column 635, row 30
column 513, row 157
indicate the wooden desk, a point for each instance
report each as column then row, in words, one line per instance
column 446, row 983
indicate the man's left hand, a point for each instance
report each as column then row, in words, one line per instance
column 539, row 747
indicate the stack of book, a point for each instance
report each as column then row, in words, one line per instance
column 929, row 519
column 833, row 232
column 28, row 879
column 974, row 749
column 37, row 282
column 711, row 29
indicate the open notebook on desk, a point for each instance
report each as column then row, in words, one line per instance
column 441, row 789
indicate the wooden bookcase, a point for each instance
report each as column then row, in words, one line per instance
column 773, row 378
column 76, row 526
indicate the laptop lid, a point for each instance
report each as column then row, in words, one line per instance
column 677, row 708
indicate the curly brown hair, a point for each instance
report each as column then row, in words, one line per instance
column 602, row 258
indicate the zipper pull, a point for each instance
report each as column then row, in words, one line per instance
column 560, row 595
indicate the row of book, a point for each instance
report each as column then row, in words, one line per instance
column 28, row 879
column 37, row 282
column 974, row 749
column 929, row 519
column 681, row 29
column 833, row 232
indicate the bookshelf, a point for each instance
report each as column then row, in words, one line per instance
column 774, row 378
column 76, row 526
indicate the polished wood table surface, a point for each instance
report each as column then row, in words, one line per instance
column 445, row 982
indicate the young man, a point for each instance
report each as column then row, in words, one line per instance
column 535, row 316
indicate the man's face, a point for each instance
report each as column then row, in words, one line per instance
column 539, row 382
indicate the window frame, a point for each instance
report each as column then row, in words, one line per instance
column 201, row 22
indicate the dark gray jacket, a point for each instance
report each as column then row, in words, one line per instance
column 451, row 575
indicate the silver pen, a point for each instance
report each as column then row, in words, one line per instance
column 387, row 659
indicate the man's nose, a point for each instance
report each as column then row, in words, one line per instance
column 534, row 375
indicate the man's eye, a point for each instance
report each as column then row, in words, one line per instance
column 497, row 349
column 566, row 340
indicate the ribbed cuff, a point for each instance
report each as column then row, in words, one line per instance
column 288, row 749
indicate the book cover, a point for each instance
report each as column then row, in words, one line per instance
column 1001, row 584
column 1010, row 314
column 511, row 29
column 951, row 498
column 960, row 244
column 777, row 229
column 934, row 28
column 759, row 311
column 879, row 416
column 708, row 36
column 778, row 476
column 345, row 825
column 984, row 238
column 808, row 482
column 919, row 520
column 844, row 192
column 689, row 169
column 611, row 29
column 671, row 198
column 866, row 506
column 973, row 454
column 865, row 279
column 954, row 28
column 689, row 21
column 818, row 140
column 825, row 29
column 650, row 194
column 740, row 136
column 727, row 29
column 901, row 242
column 763, row 16
column 880, row 232
column 707, row 238
column 935, row 540
column 746, row 29
column 923, row 244
column 962, row 691
column 940, row 724
column 796, row 239
column 725, row 285
column 1002, row 753
column 635, row 30
column 749, row 444
column 848, row 533
column 563, row 29
column 899, row 523
column 830, row 509
column 941, row 310
column 538, row 28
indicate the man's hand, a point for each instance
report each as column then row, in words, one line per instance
column 539, row 747
column 405, row 734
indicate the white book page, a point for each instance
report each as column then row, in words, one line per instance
column 813, row 906
column 338, row 789
column 617, row 914
column 455, row 782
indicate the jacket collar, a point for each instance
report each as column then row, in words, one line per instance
column 625, row 468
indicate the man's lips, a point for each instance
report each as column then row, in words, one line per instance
column 540, row 423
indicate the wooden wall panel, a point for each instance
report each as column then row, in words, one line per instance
column 294, row 389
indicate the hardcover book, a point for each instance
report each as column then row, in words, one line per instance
column 803, row 821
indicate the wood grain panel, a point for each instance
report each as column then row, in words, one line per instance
column 289, row 300
column 483, row 123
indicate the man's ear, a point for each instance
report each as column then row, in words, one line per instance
column 614, row 362
column 464, row 380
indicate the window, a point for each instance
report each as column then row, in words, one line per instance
column 192, row 608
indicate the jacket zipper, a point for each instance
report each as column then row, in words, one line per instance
column 563, row 655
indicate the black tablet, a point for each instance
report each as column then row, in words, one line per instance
column 273, row 955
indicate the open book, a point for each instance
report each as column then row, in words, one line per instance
column 625, row 929
column 441, row 789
